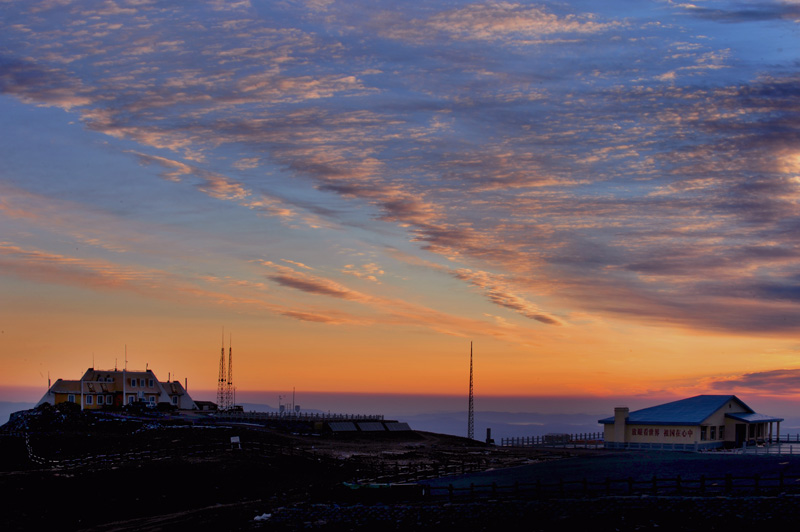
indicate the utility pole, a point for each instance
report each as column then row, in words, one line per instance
column 229, row 395
column 471, row 414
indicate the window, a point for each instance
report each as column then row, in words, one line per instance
column 150, row 383
column 109, row 399
column 152, row 399
column 133, row 383
column 174, row 399
column 702, row 433
column 713, row 433
column 89, row 399
column 130, row 399
column 71, row 398
column 722, row 432
column 100, row 399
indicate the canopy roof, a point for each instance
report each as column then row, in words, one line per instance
column 753, row 418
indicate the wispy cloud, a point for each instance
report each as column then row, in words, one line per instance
column 746, row 12
column 309, row 283
column 592, row 162
column 369, row 271
column 773, row 382
column 508, row 22
column 497, row 291
column 41, row 85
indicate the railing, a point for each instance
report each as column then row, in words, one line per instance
column 771, row 448
column 593, row 440
column 397, row 472
column 703, row 486
column 787, row 438
column 786, row 444
column 295, row 416
column 171, row 453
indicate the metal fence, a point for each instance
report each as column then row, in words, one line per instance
column 309, row 417
column 771, row 448
column 97, row 460
column 703, row 486
column 787, row 444
column 590, row 440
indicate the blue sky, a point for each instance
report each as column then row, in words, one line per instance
column 593, row 191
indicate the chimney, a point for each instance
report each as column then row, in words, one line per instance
column 620, row 418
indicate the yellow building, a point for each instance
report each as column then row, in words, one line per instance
column 701, row 422
column 98, row 389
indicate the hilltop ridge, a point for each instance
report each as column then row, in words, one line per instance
column 132, row 467
column 64, row 469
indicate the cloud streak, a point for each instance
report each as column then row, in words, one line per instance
column 773, row 382
column 638, row 166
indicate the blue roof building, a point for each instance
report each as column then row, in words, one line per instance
column 700, row 422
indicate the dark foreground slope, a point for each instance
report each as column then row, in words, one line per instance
column 124, row 473
column 62, row 469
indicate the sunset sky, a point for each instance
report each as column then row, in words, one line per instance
column 604, row 197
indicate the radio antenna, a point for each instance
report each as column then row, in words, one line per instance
column 471, row 413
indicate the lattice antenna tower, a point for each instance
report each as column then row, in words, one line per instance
column 471, row 413
column 229, row 400
column 221, row 383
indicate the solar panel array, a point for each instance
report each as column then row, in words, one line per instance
column 342, row 426
column 371, row 426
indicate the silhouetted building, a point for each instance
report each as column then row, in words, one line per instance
column 99, row 389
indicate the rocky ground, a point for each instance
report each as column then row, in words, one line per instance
column 64, row 470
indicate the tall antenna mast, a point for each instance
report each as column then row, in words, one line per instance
column 229, row 394
column 221, row 383
column 471, row 414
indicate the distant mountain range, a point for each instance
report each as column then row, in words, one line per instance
column 7, row 408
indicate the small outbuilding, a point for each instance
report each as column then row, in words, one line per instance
column 696, row 423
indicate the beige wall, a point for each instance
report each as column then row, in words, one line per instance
column 718, row 417
column 662, row 434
